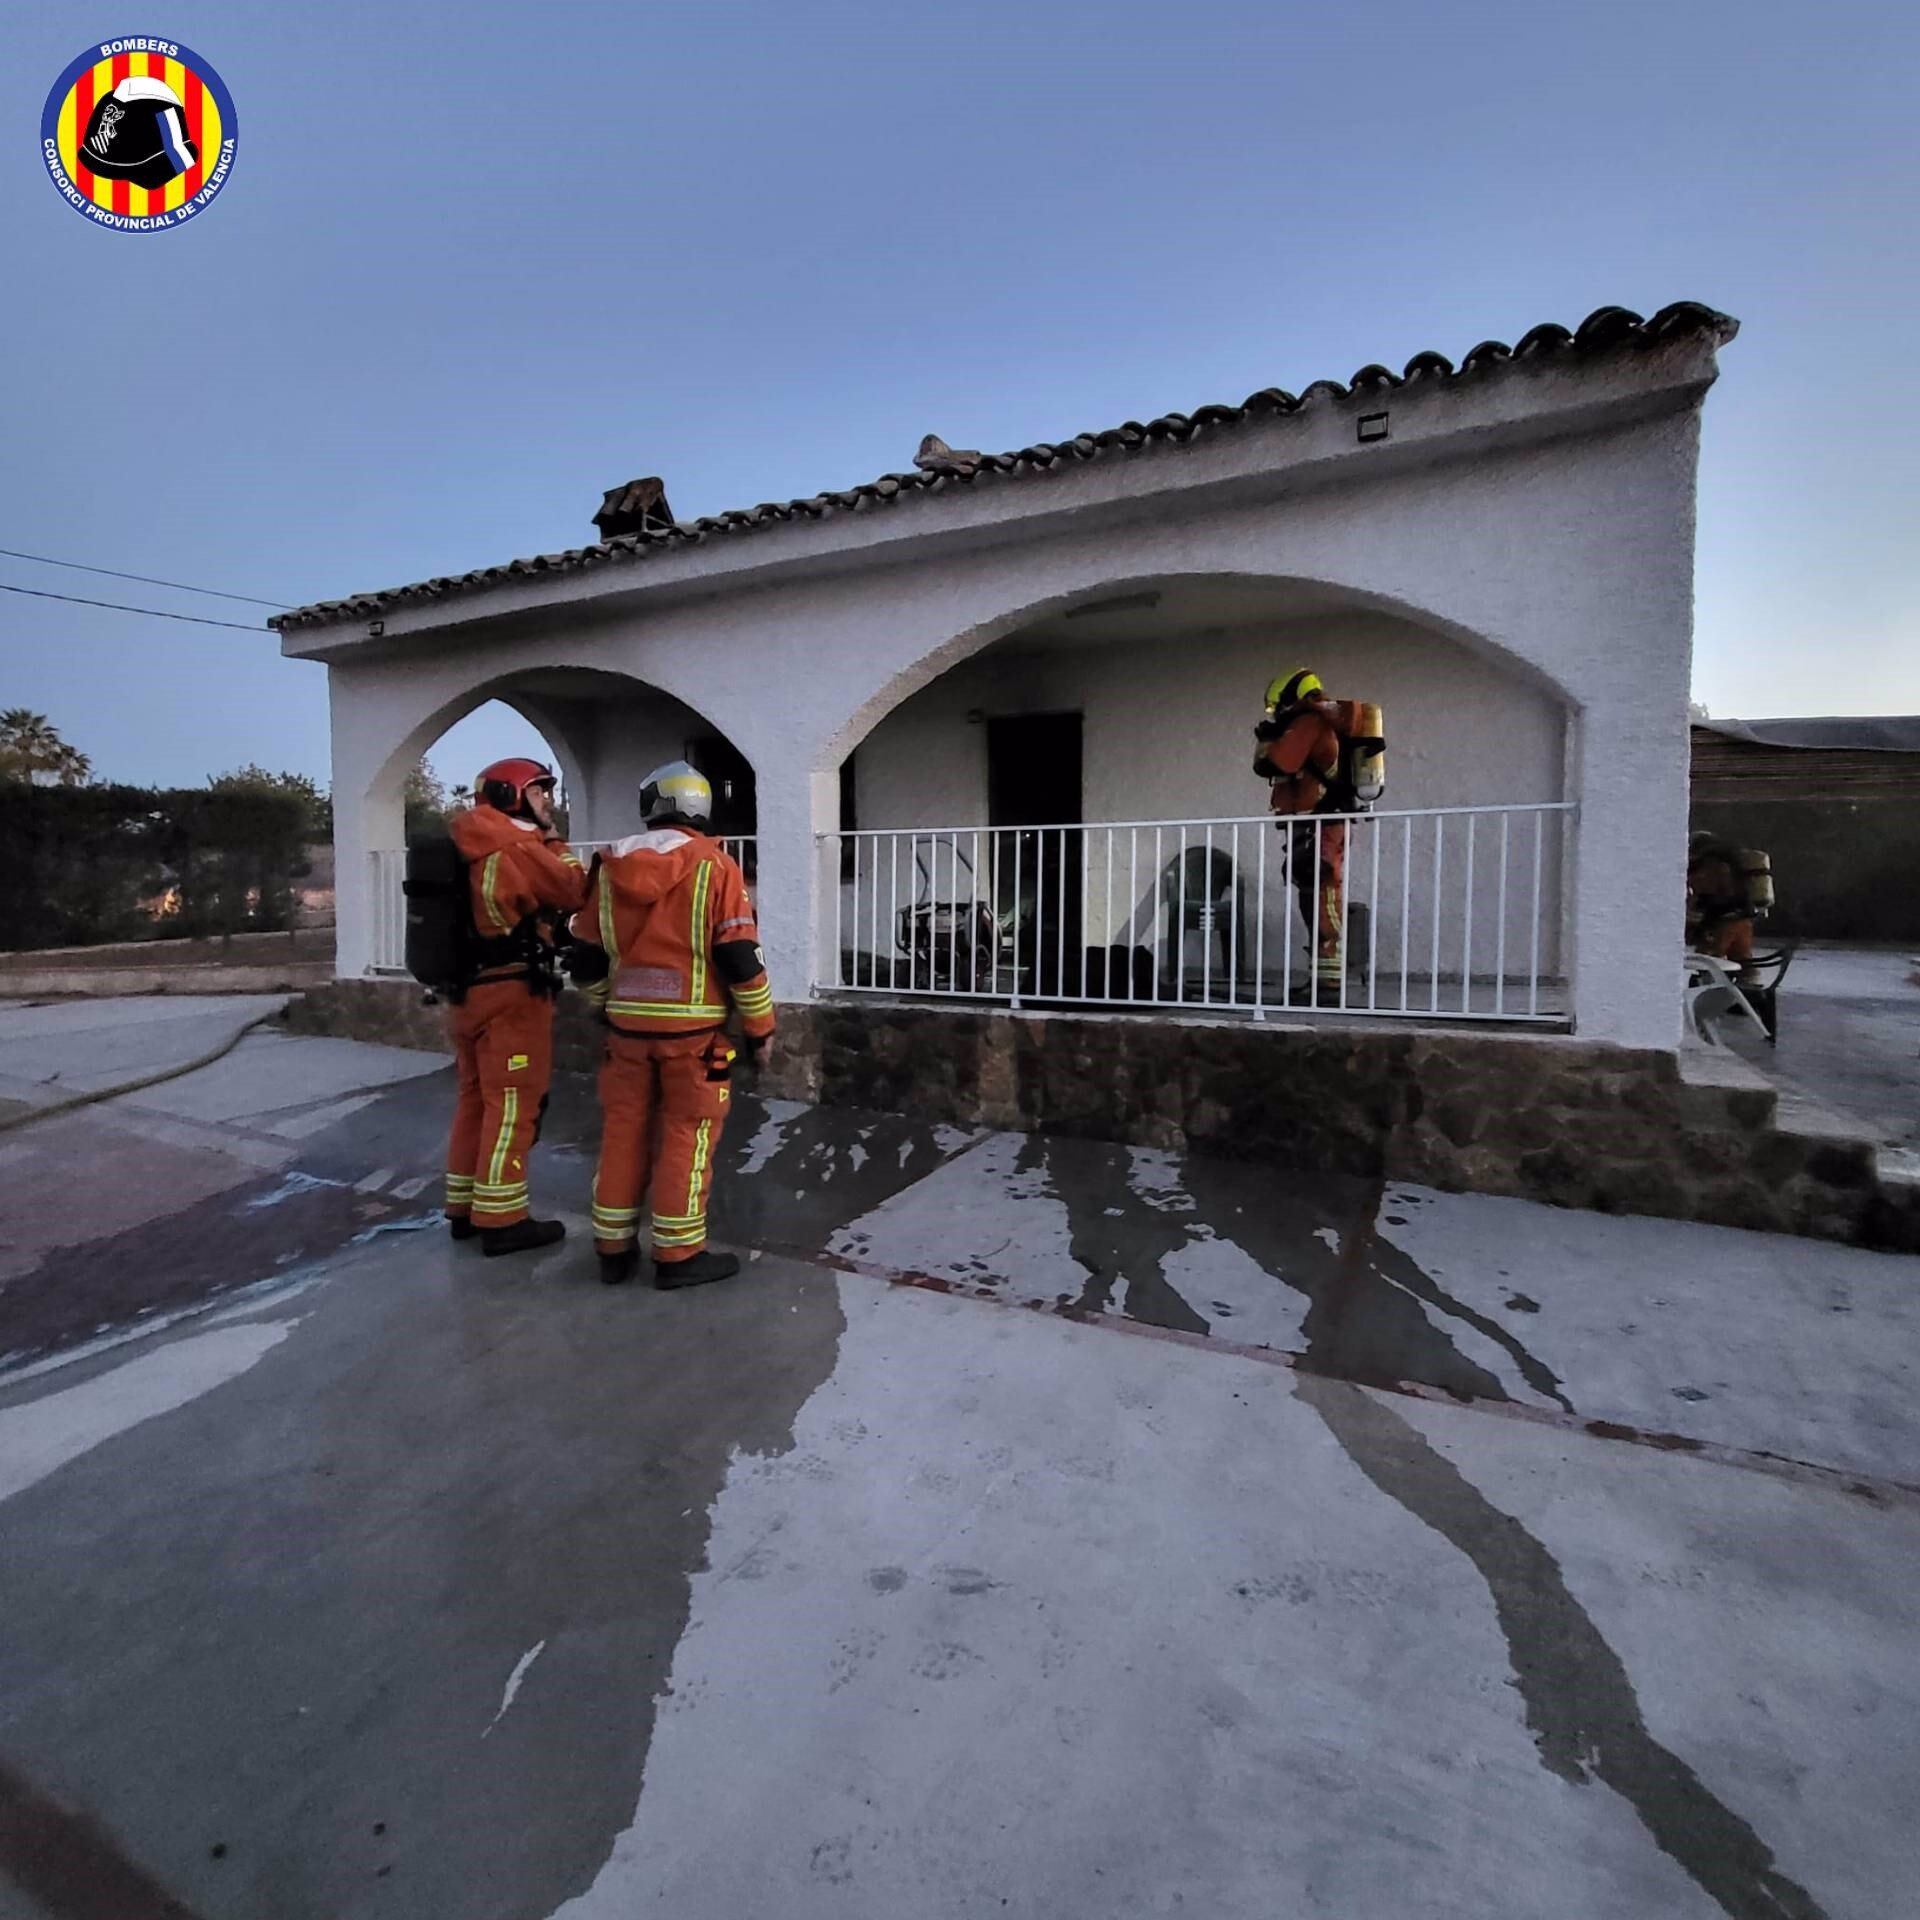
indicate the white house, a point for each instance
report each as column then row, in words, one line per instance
column 1055, row 641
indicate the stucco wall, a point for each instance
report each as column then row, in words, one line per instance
column 1167, row 735
column 1169, row 724
column 1567, row 559
column 628, row 739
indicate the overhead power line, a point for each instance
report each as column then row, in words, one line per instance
column 145, row 579
column 120, row 606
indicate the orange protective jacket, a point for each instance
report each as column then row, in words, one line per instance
column 670, row 909
column 514, row 873
column 1302, row 762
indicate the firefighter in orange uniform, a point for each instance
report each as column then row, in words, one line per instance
column 668, row 913
column 1729, row 888
column 1300, row 757
column 502, row 1026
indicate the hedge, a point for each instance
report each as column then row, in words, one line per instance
column 83, row 865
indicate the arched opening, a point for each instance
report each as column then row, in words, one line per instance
column 1064, row 808
column 603, row 732
column 493, row 731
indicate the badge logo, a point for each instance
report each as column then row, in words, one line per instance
column 139, row 134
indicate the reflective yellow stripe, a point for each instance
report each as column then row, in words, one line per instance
column 689, row 1238
column 696, row 1183
column 660, row 1009
column 755, row 1000
column 697, row 940
column 489, row 874
column 607, row 937
column 509, row 1119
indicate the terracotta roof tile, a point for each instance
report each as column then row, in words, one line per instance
column 1605, row 329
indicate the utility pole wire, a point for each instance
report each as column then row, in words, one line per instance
column 145, row 579
column 120, row 606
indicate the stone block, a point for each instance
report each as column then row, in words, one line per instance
column 1838, row 1163
column 1555, row 1120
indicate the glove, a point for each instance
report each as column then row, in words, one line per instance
column 1267, row 730
column 581, row 961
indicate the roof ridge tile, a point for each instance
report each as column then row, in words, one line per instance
column 1603, row 330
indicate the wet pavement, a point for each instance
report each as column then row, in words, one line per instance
column 1419, row 1553
column 1849, row 1036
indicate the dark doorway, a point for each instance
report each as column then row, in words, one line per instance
column 1034, row 769
column 726, row 768
column 735, row 807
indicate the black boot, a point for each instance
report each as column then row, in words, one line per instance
column 521, row 1237
column 695, row 1272
column 459, row 1227
column 616, row 1269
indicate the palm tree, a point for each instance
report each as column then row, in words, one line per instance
column 31, row 749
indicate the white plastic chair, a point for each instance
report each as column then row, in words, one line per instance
column 1712, row 990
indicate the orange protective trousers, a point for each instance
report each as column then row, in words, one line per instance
column 502, row 1036
column 664, row 1100
column 1321, row 886
column 1727, row 940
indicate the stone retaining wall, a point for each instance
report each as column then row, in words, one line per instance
column 1538, row 1117
column 117, row 983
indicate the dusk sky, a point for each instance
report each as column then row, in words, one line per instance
column 475, row 264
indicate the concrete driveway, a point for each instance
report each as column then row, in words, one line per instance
column 1036, row 1528
column 1849, row 1036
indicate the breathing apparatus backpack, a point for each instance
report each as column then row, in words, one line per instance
column 1756, row 877
column 1358, row 778
column 1363, row 752
column 444, row 951
column 1725, row 882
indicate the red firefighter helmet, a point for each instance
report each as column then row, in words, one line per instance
column 504, row 784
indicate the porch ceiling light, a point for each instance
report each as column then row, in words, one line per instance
column 1373, row 426
column 1120, row 603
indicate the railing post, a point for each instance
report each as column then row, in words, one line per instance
column 1260, row 931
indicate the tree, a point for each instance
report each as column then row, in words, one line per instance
column 86, row 864
column 425, row 799
column 32, row 750
column 297, row 786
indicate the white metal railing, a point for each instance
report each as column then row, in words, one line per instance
column 1448, row 913
column 387, row 872
column 386, row 875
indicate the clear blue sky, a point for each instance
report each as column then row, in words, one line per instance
column 477, row 263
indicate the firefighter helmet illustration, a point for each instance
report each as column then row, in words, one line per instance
column 137, row 133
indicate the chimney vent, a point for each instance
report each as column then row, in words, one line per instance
column 638, row 507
